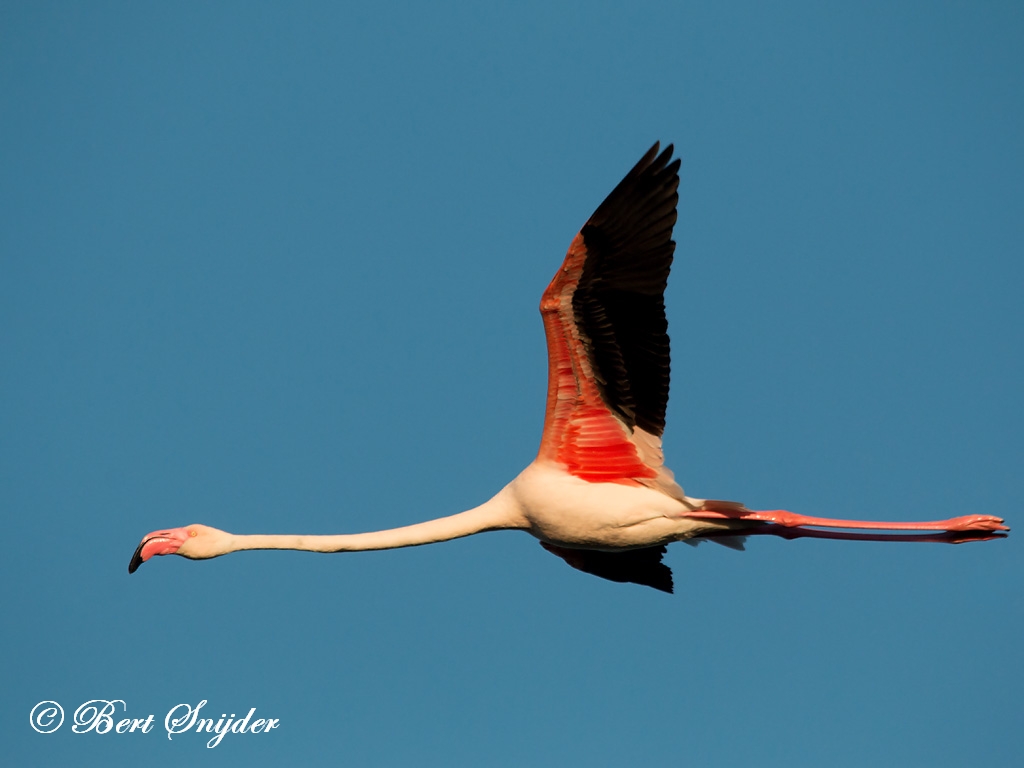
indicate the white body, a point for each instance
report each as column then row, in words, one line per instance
column 567, row 511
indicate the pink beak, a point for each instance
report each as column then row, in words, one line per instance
column 157, row 543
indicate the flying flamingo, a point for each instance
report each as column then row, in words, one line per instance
column 598, row 494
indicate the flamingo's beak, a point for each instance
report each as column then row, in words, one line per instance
column 157, row 543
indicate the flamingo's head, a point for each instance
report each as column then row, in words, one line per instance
column 196, row 542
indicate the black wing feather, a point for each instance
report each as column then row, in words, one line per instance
column 619, row 301
column 633, row 566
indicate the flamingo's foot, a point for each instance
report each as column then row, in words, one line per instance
column 976, row 523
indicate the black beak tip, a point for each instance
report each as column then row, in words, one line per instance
column 136, row 560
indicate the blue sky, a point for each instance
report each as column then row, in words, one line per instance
column 275, row 268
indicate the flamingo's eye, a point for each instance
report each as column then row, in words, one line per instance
column 191, row 533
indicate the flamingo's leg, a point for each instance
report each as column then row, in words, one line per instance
column 793, row 520
column 941, row 537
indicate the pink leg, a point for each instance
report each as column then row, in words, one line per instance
column 792, row 520
column 943, row 537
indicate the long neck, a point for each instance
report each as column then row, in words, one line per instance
column 496, row 514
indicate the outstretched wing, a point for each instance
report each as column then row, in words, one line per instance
column 608, row 346
column 633, row 566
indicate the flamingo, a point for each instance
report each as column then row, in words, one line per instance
column 598, row 494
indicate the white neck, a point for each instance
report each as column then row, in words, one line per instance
column 496, row 514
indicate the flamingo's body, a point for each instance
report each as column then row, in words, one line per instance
column 598, row 494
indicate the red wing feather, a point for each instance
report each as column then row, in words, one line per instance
column 580, row 432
